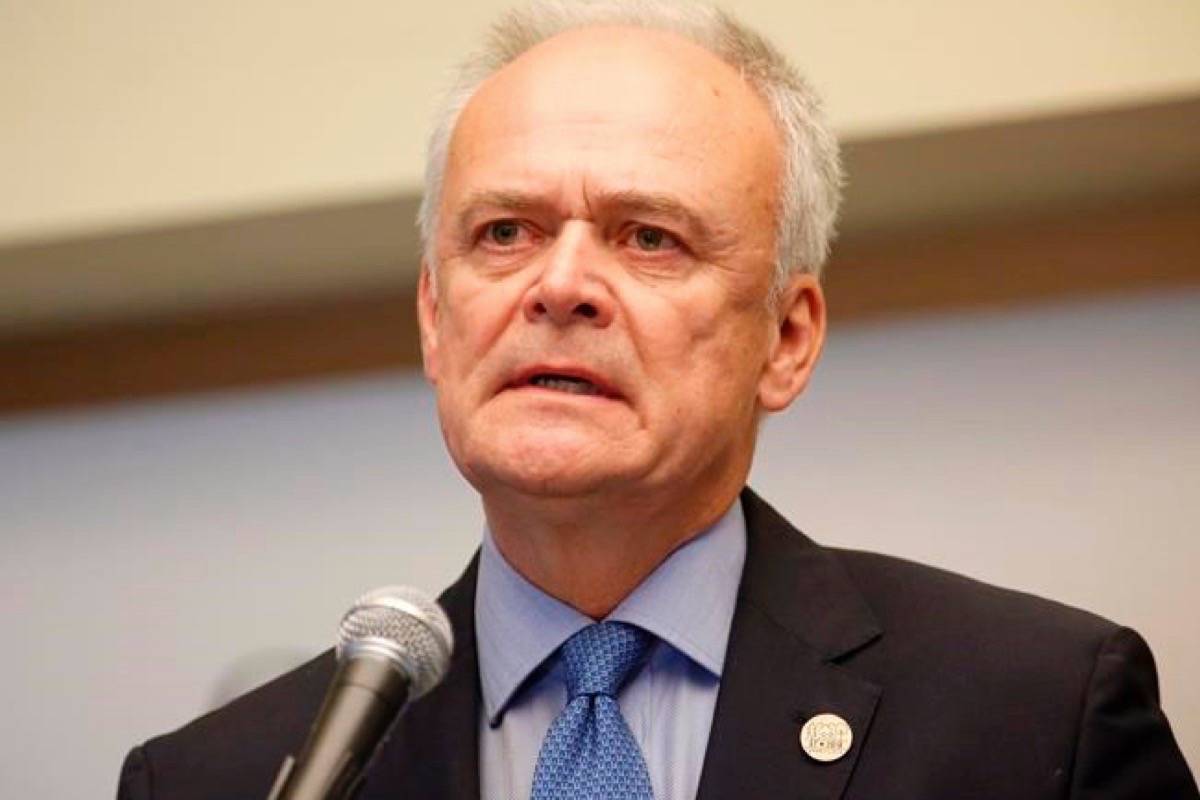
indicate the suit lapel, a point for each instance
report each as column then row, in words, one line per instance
column 433, row 752
column 797, row 615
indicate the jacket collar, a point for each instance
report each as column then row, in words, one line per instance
column 801, row 586
column 798, row 614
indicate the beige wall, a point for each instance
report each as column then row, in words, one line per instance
column 141, row 113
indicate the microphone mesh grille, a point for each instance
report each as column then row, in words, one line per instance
column 410, row 621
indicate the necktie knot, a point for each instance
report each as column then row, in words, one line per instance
column 600, row 658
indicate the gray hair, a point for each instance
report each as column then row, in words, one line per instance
column 810, row 188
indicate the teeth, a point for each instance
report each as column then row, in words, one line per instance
column 564, row 384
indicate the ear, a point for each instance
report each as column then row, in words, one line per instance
column 427, row 311
column 798, row 337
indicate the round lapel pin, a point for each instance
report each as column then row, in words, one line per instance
column 826, row 737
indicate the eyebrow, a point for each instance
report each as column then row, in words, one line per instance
column 658, row 203
column 518, row 201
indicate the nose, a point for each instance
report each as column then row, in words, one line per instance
column 569, row 288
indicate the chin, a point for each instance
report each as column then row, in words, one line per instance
column 545, row 485
column 541, row 464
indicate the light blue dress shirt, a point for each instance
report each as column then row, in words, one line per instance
column 687, row 603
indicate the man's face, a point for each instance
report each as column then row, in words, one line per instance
column 598, row 323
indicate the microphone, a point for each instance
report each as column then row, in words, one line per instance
column 394, row 645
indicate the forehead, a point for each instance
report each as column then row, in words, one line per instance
column 619, row 108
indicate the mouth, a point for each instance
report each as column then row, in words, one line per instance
column 567, row 380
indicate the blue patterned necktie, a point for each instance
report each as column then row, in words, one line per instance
column 589, row 752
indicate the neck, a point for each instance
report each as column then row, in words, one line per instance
column 591, row 552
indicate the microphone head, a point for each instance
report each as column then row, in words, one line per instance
column 405, row 626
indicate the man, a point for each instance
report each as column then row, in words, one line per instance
column 626, row 209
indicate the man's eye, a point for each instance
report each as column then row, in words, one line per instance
column 503, row 232
column 653, row 239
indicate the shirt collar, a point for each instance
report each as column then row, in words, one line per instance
column 518, row 626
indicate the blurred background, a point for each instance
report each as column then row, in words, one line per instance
column 214, row 433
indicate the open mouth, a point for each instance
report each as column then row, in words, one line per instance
column 565, row 383
column 576, row 382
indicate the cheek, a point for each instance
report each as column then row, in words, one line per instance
column 665, row 335
column 698, row 331
column 682, row 350
column 708, row 359
column 474, row 316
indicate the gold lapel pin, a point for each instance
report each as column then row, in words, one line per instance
column 826, row 737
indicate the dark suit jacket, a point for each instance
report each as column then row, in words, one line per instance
column 953, row 689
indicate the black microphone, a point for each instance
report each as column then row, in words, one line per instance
column 394, row 645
